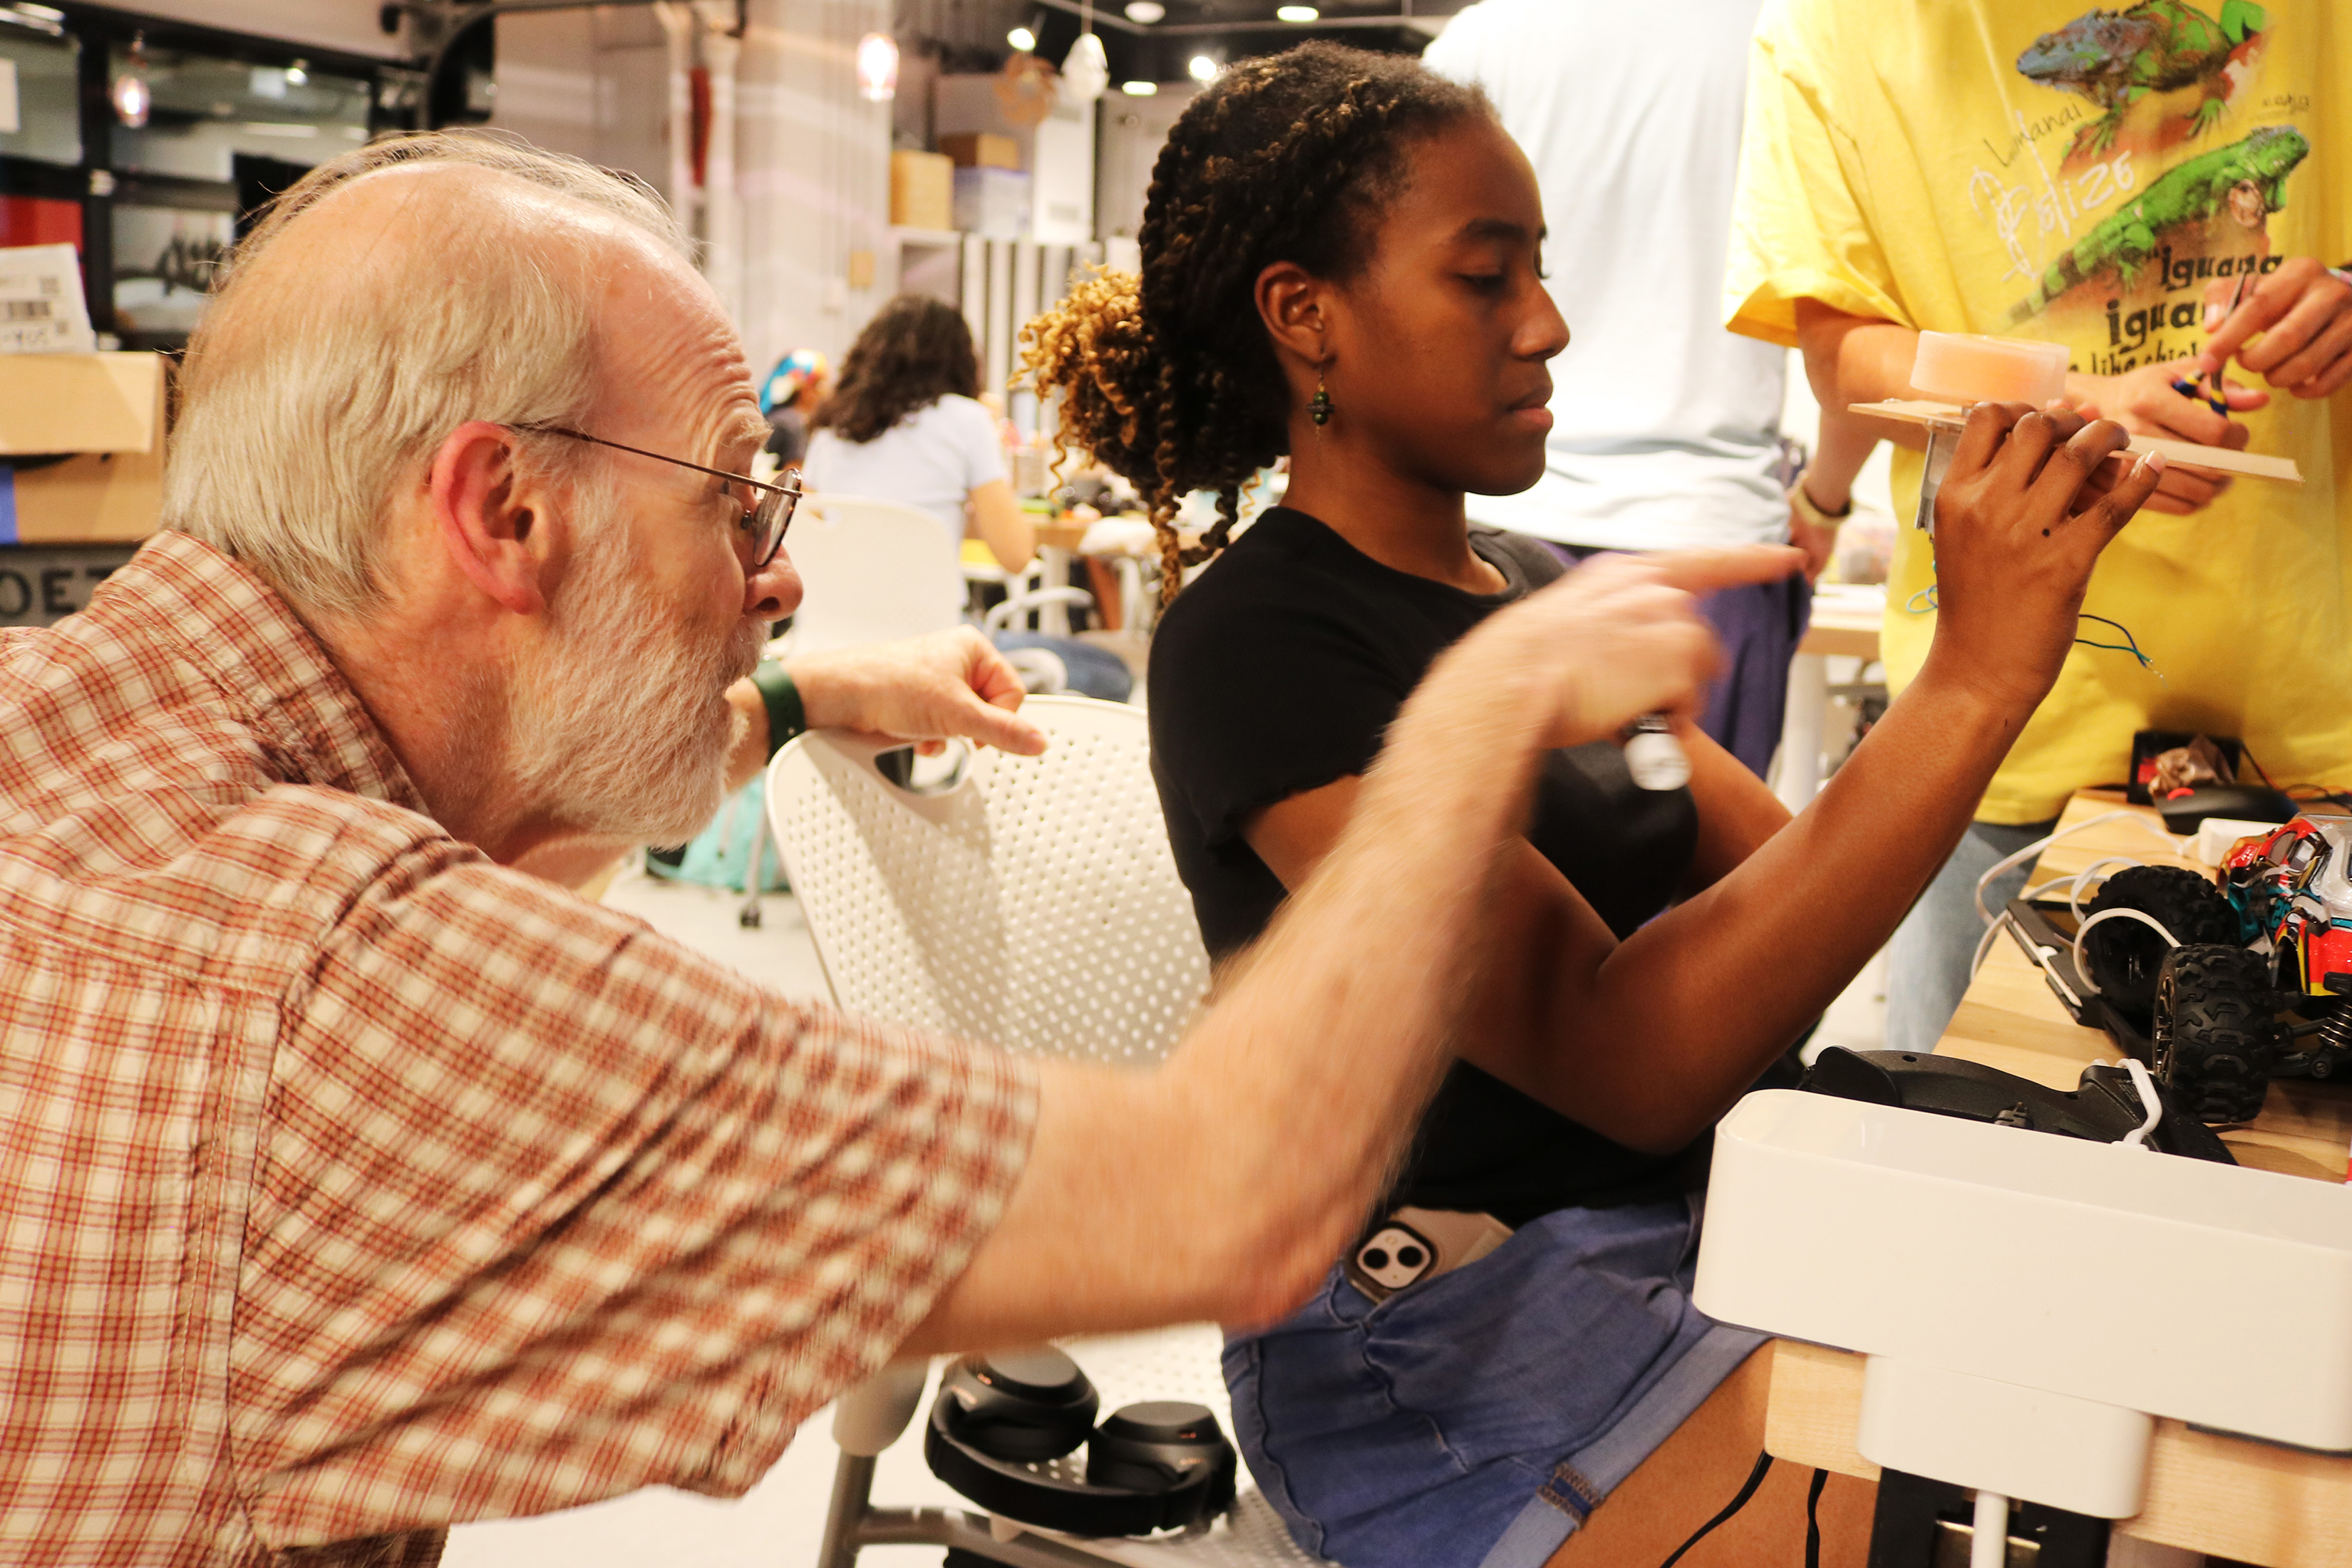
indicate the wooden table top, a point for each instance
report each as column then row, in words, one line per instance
column 1845, row 620
column 2231, row 1497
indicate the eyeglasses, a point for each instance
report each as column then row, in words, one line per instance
column 764, row 520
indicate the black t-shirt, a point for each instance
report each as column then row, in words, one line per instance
column 1277, row 672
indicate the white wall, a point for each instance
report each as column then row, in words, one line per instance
column 595, row 84
column 812, row 166
column 349, row 24
column 1133, row 130
column 811, row 158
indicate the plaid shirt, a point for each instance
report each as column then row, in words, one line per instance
column 352, row 1186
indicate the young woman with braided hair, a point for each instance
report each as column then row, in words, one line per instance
column 1341, row 262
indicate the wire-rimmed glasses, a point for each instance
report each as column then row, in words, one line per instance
column 764, row 520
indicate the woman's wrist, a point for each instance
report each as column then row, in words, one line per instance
column 1978, row 694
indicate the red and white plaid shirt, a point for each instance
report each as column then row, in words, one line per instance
column 352, row 1186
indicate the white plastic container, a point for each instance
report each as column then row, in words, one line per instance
column 2027, row 1300
column 1967, row 368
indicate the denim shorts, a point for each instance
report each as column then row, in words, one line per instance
column 1475, row 1421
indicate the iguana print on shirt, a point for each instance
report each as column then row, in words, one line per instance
column 2115, row 59
column 2247, row 179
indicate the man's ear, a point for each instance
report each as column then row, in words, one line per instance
column 490, row 517
column 1294, row 304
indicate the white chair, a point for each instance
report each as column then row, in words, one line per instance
column 873, row 570
column 1032, row 902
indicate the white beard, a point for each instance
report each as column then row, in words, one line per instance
column 623, row 729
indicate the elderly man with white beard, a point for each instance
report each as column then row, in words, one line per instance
column 360, row 1182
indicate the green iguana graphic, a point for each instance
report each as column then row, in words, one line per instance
column 2127, row 239
column 2115, row 59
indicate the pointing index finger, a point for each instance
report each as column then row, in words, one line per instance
column 1727, row 566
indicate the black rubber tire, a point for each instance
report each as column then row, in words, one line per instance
column 2217, row 1034
column 2124, row 955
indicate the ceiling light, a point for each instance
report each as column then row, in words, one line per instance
column 1085, row 71
column 41, row 13
column 1145, row 11
column 130, row 93
column 877, row 68
column 1298, row 12
column 1139, row 88
column 1021, row 39
column 296, row 75
column 1204, row 68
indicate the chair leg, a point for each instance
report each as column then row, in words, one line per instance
column 749, row 916
column 853, row 1489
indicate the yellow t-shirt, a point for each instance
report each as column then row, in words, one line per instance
column 2038, row 169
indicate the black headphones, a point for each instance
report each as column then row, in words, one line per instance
column 1002, row 1421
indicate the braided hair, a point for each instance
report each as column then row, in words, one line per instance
column 1168, row 378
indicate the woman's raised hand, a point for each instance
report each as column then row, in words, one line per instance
column 2023, row 513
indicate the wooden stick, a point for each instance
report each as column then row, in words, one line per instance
column 2220, row 460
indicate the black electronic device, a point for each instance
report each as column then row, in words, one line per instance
column 2187, row 810
column 1004, row 1425
column 2103, row 1108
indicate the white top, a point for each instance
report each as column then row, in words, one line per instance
column 1665, row 427
column 933, row 458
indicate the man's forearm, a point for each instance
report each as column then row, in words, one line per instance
column 1223, row 1183
column 1241, row 1167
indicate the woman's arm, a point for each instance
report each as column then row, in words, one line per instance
column 1735, row 813
column 1001, row 524
column 1649, row 1040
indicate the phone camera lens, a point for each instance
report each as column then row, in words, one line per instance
column 1376, row 1257
column 1412, row 1257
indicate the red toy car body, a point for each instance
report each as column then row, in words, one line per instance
column 2293, row 889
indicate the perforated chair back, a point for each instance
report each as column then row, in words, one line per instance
column 1035, row 906
column 873, row 570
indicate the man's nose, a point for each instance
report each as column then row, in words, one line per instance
column 773, row 591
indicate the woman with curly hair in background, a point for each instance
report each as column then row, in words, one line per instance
column 1341, row 262
column 906, row 424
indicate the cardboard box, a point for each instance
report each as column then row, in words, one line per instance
column 922, row 190
column 981, row 149
column 86, row 498
column 992, row 201
column 107, row 410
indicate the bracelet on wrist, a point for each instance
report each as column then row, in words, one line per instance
column 787, row 716
column 1810, row 510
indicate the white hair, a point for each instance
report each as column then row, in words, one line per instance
column 307, row 401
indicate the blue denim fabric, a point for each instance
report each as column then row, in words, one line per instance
column 1094, row 672
column 1478, row 1418
column 1927, row 960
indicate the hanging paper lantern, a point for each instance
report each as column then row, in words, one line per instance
column 1087, row 70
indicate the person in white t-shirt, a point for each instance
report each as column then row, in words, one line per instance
column 1667, row 427
column 905, row 423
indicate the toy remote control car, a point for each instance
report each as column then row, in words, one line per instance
column 2250, row 978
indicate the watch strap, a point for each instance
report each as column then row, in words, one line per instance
column 787, row 716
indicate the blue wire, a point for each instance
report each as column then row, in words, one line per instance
column 1920, row 602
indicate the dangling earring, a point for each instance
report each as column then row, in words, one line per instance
column 1319, row 409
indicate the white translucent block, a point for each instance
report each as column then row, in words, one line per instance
column 1967, row 368
column 1979, row 1432
column 2179, row 1287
